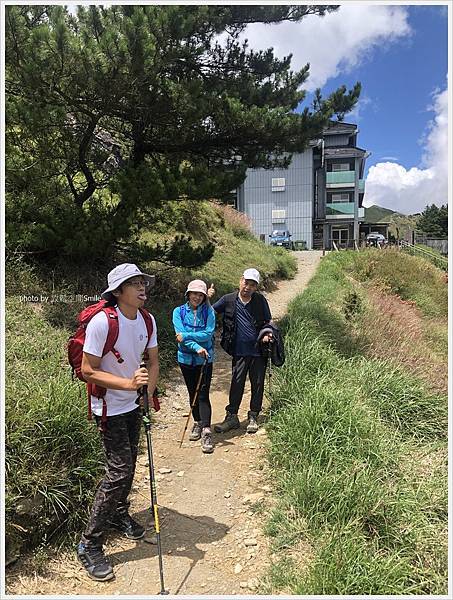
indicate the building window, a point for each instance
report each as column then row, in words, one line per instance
column 345, row 197
column 278, row 216
column 278, row 184
column 340, row 166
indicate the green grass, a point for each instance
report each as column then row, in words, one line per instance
column 344, row 431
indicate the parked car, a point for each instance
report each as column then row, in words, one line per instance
column 282, row 238
column 378, row 240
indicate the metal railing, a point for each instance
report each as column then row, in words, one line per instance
column 439, row 261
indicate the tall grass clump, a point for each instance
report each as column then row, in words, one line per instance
column 410, row 277
column 344, row 428
column 53, row 456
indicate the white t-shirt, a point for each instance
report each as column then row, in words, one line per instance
column 131, row 342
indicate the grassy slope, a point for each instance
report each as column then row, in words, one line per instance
column 358, row 440
column 47, row 432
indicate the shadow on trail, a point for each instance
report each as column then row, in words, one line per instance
column 180, row 534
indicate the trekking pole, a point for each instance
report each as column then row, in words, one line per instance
column 152, row 481
column 194, row 399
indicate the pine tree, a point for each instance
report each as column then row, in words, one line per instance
column 114, row 111
column 433, row 221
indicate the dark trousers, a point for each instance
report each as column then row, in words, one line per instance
column 201, row 410
column 255, row 367
column 120, row 441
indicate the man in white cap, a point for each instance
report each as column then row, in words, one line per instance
column 119, row 376
column 244, row 314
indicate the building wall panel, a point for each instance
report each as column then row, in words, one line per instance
column 257, row 199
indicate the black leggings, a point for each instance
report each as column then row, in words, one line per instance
column 201, row 410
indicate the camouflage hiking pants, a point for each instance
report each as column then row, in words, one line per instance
column 120, row 442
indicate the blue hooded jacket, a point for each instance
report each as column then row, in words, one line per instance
column 197, row 332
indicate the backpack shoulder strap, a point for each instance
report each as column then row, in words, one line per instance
column 204, row 313
column 183, row 312
column 148, row 322
column 112, row 336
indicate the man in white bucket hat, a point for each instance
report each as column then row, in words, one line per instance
column 244, row 312
column 117, row 375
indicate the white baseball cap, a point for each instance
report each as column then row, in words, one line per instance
column 252, row 274
column 122, row 273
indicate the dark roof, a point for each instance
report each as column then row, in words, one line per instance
column 343, row 152
column 339, row 127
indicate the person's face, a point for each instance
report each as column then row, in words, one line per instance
column 247, row 287
column 133, row 292
column 195, row 299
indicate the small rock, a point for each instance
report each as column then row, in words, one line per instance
column 161, row 456
column 226, row 450
column 243, row 584
column 186, row 414
column 164, row 470
column 202, row 585
column 252, row 583
column 266, row 488
column 181, row 548
column 261, row 432
column 250, row 542
column 238, row 568
column 180, row 474
column 227, row 495
column 252, row 498
column 152, row 539
column 184, row 489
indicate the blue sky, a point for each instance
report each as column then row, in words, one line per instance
column 397, row 84
column 399, row 54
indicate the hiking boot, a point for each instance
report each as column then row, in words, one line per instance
column 231, row 421
column 195, row 434
column 252, row 423
column 95, row 562
column 206, row 441
column 124, row 523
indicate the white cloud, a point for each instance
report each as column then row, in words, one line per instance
column 336, row 43
column 408, row 191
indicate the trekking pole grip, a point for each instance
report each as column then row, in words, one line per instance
column 145, row 393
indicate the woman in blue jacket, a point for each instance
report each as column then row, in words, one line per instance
column 194, row 324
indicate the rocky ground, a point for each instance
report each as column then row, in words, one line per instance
column 212, row 508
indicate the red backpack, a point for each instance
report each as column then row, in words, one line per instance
column 76, row 342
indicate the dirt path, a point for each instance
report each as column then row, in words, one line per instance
column 212, row 507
